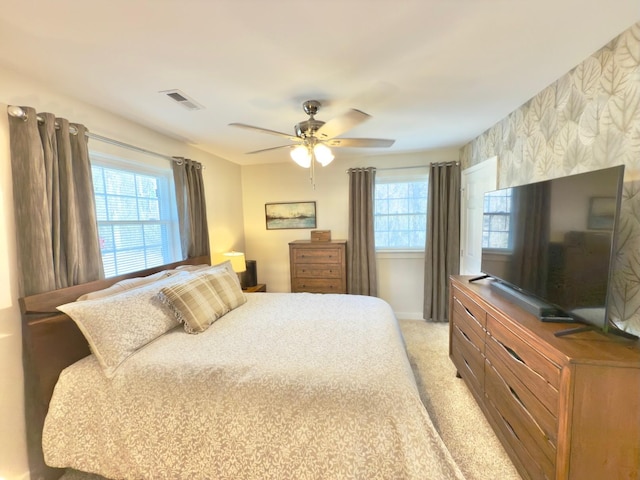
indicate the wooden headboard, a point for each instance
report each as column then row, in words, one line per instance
column 52, row 342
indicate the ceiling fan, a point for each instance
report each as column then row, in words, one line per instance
column 314, row 137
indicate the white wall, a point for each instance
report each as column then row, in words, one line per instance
column 400, row 275
column 224, row 212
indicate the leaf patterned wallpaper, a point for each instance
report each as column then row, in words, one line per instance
column 587, row 120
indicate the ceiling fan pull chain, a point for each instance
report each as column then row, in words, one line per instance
column 312, row 170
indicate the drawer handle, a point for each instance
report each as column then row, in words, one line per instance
column 466, row 309
column 513, row 354
column 464, row 334
column 471, row 372
column 469, row 313
column 508, row 425
column 466, row 363
column 516, row 396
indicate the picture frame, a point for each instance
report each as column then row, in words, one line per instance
column 602, row 212
column 290, row 215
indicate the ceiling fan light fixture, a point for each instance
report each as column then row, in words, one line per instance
column 300, row 154
column 323, row 154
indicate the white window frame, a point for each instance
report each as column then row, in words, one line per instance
column 507, row 214
column 167, row 202
column 401, row 175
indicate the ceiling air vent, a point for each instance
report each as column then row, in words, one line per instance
column 182, row 99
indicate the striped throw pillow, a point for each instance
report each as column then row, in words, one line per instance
column 195, row 303
column 227, row 287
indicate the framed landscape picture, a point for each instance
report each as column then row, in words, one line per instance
column 290, row 215
column 601, row 213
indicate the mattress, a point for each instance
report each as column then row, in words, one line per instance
column 286, row 386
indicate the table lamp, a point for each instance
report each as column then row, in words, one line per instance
column 238, row 262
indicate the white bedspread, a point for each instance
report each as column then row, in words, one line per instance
column 287, row 386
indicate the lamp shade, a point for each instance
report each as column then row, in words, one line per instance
column 300, row 155
column 323, row 154
column 238, row 262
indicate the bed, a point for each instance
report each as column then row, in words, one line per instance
column 282, row 386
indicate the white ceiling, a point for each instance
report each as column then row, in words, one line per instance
column 432, row 73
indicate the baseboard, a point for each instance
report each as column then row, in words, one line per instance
column 409, row 315
column 23, row 476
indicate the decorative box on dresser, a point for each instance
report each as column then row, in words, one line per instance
column 318, row 267
column 563, row 407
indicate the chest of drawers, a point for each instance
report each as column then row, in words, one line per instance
column 563, row 407
column 318, row 267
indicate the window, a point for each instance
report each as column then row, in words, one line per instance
column 496, row 221
column 135, row 207
column 400, row 212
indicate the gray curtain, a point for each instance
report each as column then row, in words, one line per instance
column 442, row 250
column 532, row 237
column 192, row 209
column 361, row 252
column 56, row 222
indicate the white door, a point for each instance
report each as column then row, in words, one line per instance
column 475, row 182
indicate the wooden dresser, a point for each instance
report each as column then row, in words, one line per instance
column 563, row 407
column 318, row 267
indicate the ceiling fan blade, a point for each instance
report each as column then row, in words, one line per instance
column 268, row 149
column 359, row 142
column 264, row 130
column 339, row 125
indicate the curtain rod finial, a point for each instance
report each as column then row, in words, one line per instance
column 17, row 112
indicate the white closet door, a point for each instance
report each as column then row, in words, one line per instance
column 475, row 182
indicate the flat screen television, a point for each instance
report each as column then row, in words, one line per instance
column 549, row 246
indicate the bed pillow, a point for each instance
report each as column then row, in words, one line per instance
column 193, row 268
column 118, row 325
column 228, row 287
column 220, row 267
column 195, row 303
column 129, row 283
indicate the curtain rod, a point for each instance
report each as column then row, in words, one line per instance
column 445, row 164
column 18, row 112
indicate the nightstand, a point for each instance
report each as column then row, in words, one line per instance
column 260, row 287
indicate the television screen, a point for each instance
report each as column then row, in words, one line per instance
column 554, row 240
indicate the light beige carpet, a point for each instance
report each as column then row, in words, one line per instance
column 453, row 409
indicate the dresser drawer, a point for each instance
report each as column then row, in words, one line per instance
column 311, row 270
column 539, row 373
column 468, row 358
column 318, row 267
column 527, row 466
column 318, row 285
column 537, row 408
column 520, row 422
column 469, row 306
column 317, row 255
column 468, row 324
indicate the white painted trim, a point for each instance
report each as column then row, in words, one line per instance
column 24, row 476
column 409, row 315
column 395, row 254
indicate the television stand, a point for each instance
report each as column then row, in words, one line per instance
column 562, row 408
